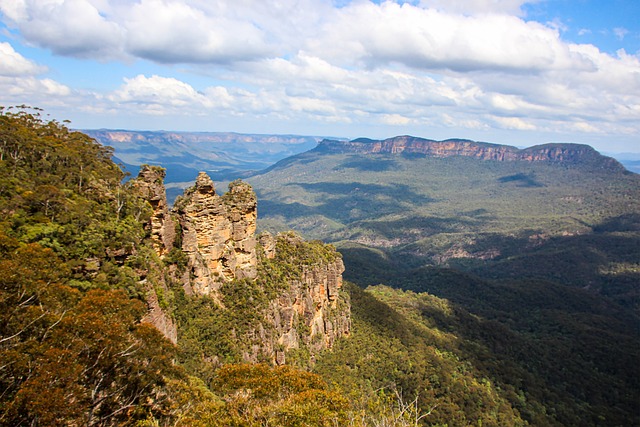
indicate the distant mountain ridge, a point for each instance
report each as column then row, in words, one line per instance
column 223, row 155
column 552, row 152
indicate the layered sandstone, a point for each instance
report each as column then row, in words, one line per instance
column 218, row 234
column 150, row 186
column 311, row 312
column 217, row 237
column 555, row 153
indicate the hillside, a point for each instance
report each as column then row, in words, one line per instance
column 112, row 305
column 553, row 153
column 482, row 216
column 117, row 309
column 538, row 255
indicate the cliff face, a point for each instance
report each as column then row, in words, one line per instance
column 310, row 312
column 150, row 186
column 218, row 234
column 560, row 153
column 409, row 144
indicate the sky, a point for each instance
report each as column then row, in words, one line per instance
column 517, row 72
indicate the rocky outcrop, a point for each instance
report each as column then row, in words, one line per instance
column 150, row 186
column 304, row 309
column 569, row 154
column 409, row 144
column 218, row 234
column 310, row 312
column 557, row 153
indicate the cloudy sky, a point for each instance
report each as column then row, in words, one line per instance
column 508, row 71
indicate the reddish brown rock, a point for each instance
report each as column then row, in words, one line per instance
column 554, row 153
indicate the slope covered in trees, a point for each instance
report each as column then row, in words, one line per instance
column 78, row 269
column 76, row 266
column 538, row 260
column 74, row 261
column 72, row 349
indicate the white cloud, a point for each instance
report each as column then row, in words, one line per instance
column 165, row 31
column 160, row 95
column 13, row 64
column 583, row 127
column 39, row 92
column 360, row 33
column 472, row 7
column 378, row 35
column 395, row 119
column 67, row 27
column 53, row 88
column 464, row 64
column 172, row 32
column 514, row 123
column 19, row 81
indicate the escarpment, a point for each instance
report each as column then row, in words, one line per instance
column 150, row 186
column 554, row 153
column 301, row 309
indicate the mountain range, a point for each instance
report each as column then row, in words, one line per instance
column 466, row 284
column 225, row 155
column 539, row 246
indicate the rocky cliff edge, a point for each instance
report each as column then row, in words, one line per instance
column 554, row 153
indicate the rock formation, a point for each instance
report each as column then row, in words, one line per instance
column 311, row 312
column 150, row 186
column 556, row 153
column 217, row 237
column 218, row 234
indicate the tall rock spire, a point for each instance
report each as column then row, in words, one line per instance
column 150, row 186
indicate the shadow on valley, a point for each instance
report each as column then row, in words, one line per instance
column 299, row 159
column 555, row 318
column 409, row 228
column 368, row 164
column 521, row 180
column 346, row 201
column 605, row 262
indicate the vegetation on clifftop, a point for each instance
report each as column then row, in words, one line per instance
column 76, row 263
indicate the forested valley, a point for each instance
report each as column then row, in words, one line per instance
column 404, row 342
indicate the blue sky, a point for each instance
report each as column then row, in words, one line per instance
column 508, row 71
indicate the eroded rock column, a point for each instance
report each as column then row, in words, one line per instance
column 218, row 233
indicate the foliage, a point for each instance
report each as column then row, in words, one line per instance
column 258, row 394
column 73, row 349
column 212, row 333
column 495, row 218
column 537, row 264
column 73, row 358
column 501, row 344
column 390, row 355
column 60, row 189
